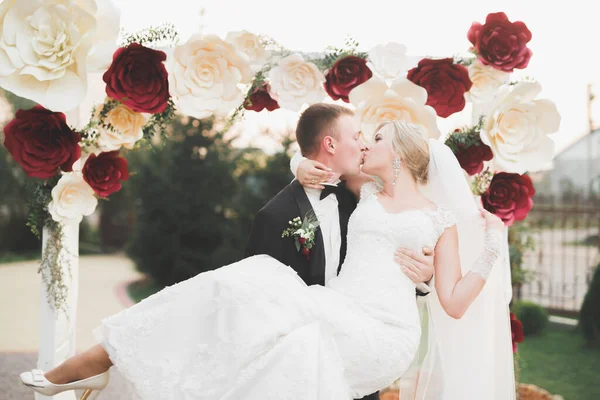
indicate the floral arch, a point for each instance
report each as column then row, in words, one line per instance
column 48, row 48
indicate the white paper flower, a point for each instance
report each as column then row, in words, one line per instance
column 486, row 81
column 127, row 128
column 72, row 198
column 389, row 61
column 249, row 44
column 517, row 128
column 204, row 74
column 44, row 48
column 375, row 102
column 107, row 16
column 295, row 82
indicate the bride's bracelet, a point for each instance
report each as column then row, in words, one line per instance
column 491, row 252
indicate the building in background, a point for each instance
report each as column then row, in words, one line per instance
column 575, row 174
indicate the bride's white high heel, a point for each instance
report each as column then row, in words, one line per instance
column 92, row 386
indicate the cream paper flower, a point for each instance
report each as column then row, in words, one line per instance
column 389, row 61
column 45, row 47
column 486, row 82
column 295, row 82
column 249, row 44
column 375, row 102
column 72, row 198
column 204, row 74
column 107, row 16
column 127, row 128
column 517, row 128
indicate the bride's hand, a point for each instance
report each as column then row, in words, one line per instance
column 311, row 174
column 492, row 222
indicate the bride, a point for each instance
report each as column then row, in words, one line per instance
column 254, row 330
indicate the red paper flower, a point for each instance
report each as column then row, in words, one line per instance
column 501, row 43
column 260, row 99
column 306, row 253
column 346, row 74
column 516, row 327
column 41, row 142
column 445, row 82
column 105, row 172
column 471, row 158
column 509, row 197
column 138, row 78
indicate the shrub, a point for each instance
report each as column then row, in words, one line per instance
column 589, row 317
column 533, row 316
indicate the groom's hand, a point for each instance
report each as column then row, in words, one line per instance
column 418, row 267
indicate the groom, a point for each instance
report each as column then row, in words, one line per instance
column 327, row 133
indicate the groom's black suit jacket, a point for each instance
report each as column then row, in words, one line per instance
column 273, row 219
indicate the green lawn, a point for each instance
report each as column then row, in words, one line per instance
column 6, row 258
column 558, row 362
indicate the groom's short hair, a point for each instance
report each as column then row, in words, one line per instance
column 315, row 123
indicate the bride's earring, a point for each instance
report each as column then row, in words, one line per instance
column 396, row 169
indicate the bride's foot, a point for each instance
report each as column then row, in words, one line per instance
column 82, row 366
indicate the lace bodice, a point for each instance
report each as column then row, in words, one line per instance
column 370, row 273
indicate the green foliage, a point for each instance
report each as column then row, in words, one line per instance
column 15, row 236
column 464, row 61
column 40, row 194
column 53, row 257
column 589, row 317
column 195, row 199
column 159, row 35
column 520, row 240
column 523, row 79
column 333, row 54
column 533, row 316
column 158, row 123
column 462, row 139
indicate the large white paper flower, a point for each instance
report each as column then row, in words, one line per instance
column 250, row 44
column 517, row 128
column 375, row 102
column 45, row 47
column 127, row 128
column 204, row 74
column 108, row 17
column 295, row 82
column 486, row 81
column 389, row 61
column 72, row 198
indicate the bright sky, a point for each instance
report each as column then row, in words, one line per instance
column 566, row 55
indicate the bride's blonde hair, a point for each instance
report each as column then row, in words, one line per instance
column 410, row 143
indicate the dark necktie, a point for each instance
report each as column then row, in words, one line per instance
column 330, row 189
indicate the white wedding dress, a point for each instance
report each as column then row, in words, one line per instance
column 254, row 330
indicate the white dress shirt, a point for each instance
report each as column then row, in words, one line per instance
column 327, row 212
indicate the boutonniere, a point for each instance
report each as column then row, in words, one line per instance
column 303, row 232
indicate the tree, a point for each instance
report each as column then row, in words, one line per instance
column 183, row 194
column 195, row 198
column 589, row 316
column 15, row 236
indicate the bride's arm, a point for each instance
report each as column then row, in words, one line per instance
column 457, row 292
column 312, row 174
